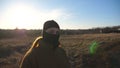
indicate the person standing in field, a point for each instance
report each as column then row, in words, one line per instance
column 45, row 51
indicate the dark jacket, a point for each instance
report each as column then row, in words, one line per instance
column 44, row 55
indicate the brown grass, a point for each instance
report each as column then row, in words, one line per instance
column 76, row 46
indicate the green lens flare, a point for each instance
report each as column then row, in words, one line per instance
column 93, row 47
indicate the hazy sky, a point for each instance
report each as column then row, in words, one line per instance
column 70, row 14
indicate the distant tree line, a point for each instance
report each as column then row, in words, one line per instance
column 23, row 32
column 18, row 33
column 114, row 29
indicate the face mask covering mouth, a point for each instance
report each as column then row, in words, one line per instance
column 51, row 38
column 51, row 32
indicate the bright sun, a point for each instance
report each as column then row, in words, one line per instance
column 26, row 16
column 21, row 16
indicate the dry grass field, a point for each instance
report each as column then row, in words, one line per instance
column 77, row 48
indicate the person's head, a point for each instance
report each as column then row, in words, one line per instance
column 51, row 32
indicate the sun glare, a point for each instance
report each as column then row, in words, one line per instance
column 26, row 16
column 21, row 16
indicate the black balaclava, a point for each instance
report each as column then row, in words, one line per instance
column 51, row 38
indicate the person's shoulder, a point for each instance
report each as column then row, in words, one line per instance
column 36, row 41
column 39, row 44
column 36, row 45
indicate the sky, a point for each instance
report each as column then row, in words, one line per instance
column 69, row 14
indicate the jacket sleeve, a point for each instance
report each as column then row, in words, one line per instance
column 28, row 60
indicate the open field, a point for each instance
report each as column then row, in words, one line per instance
column 77, row 48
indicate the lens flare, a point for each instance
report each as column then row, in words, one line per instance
column 93, row 47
